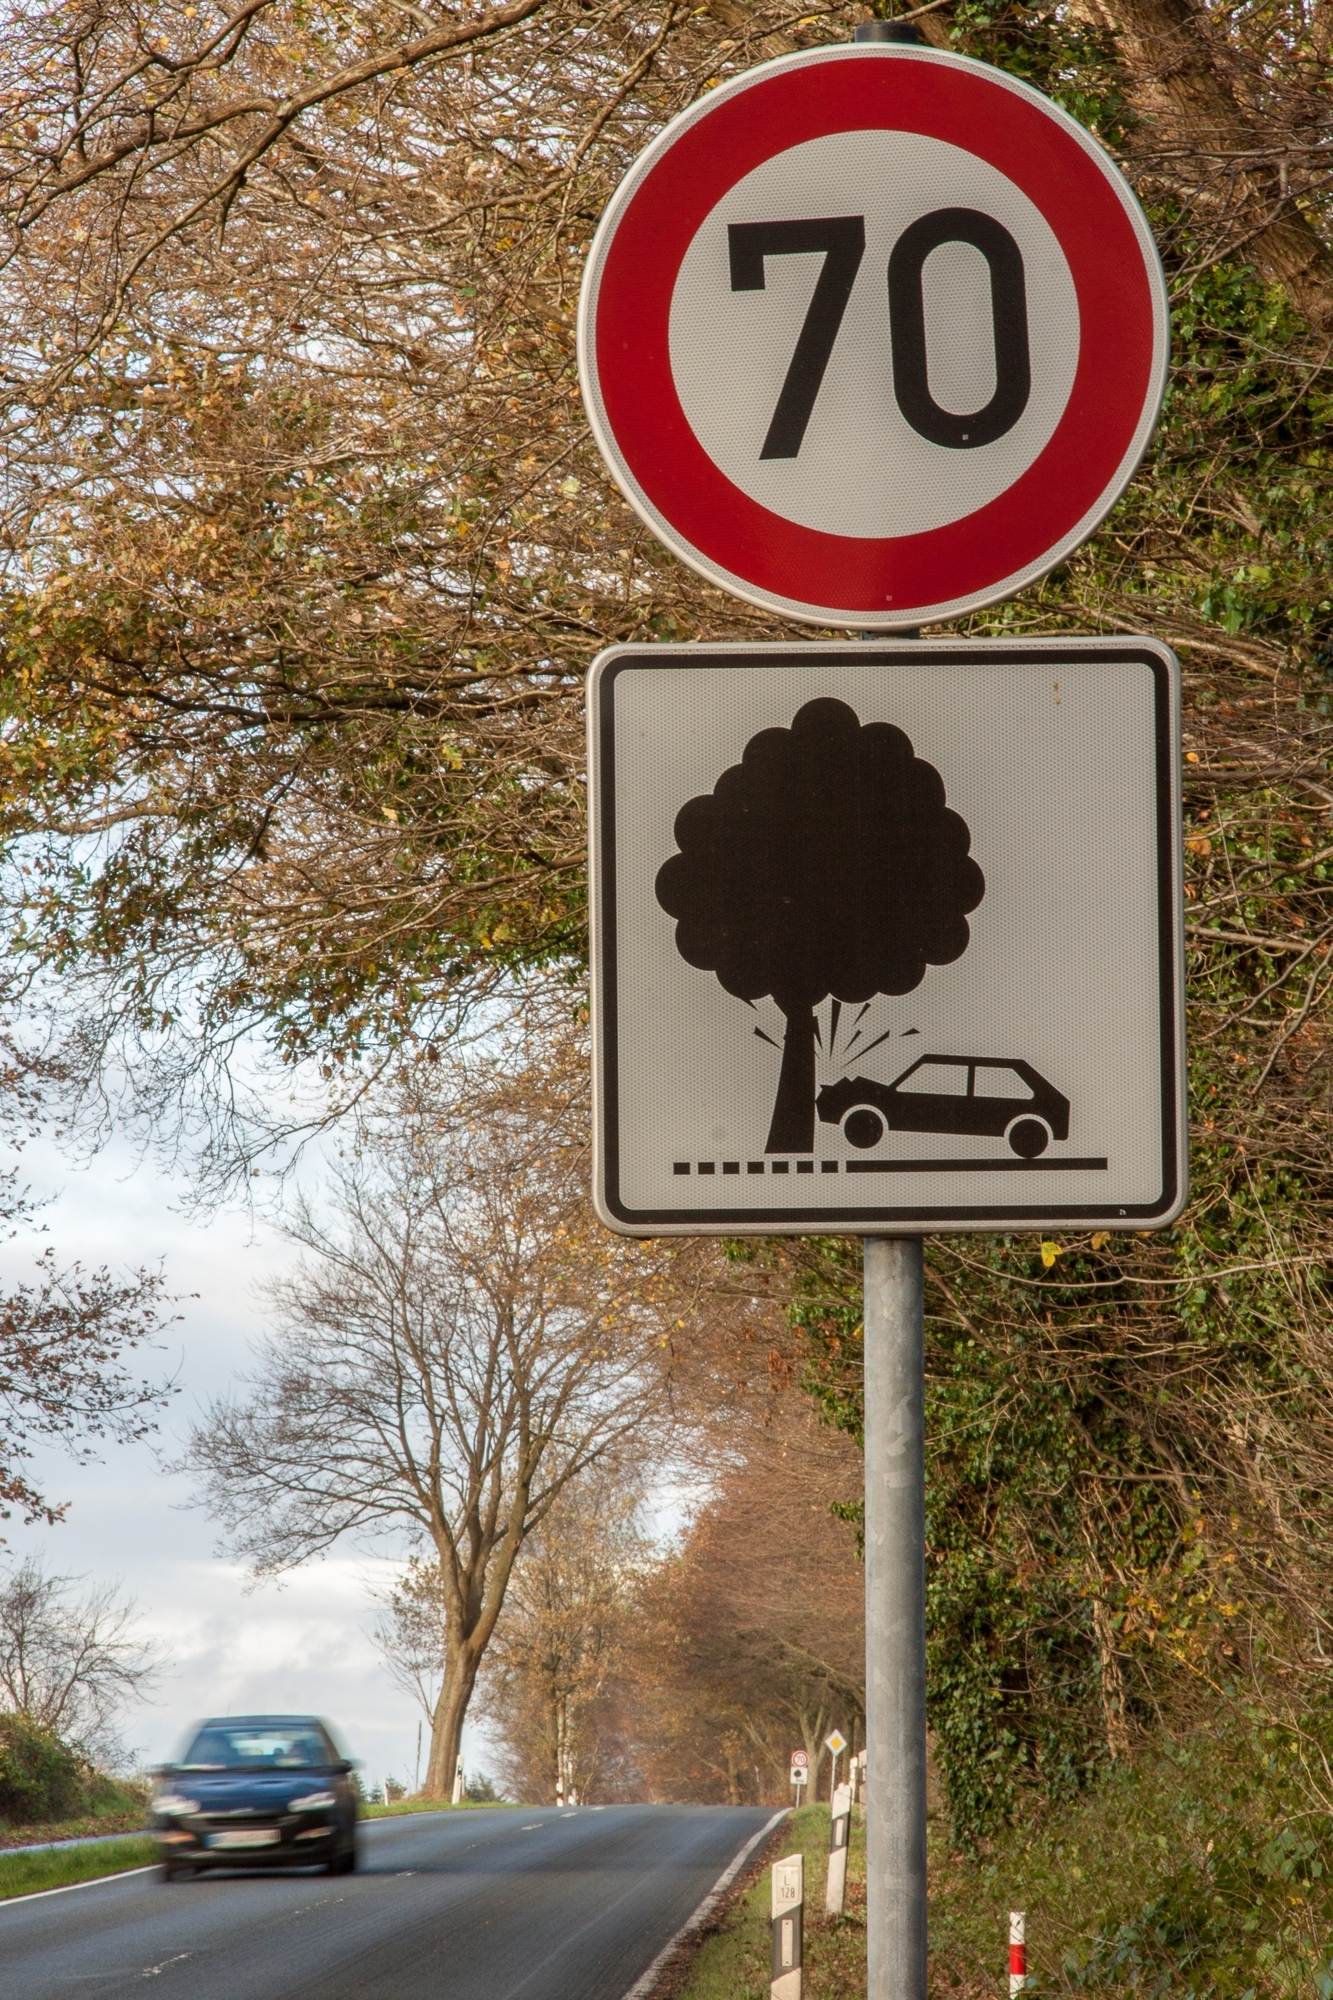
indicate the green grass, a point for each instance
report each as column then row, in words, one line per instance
column 433, row 1805
column 22, row 1874
column 733, row 1963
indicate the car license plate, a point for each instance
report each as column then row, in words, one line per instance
column 246, row 1836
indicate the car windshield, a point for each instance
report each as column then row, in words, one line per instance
column 251, row 1746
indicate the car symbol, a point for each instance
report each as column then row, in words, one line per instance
column 981, row 1095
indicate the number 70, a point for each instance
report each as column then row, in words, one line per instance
column 842, row 239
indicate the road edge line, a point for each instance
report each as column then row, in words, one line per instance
column 93, row 1881
column 643, row 1985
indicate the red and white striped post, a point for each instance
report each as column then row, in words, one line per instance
column 1018, row 1952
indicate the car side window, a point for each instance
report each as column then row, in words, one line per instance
column 993, row 1081
column 940, row 1079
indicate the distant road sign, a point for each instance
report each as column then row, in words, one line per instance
column 800, row 1760
column 836, row 1743
column 887, row 936
column 873, row 335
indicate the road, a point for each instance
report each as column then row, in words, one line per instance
column 533, row 1904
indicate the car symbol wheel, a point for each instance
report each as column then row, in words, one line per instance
column 863, row 1127
column 1029, row 1137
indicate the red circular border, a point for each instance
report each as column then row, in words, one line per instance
column 967, row 557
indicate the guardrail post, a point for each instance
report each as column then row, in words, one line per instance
column 788, row 1910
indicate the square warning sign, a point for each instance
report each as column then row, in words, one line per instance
column 887, row 937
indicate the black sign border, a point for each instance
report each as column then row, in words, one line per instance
column 891, row 1221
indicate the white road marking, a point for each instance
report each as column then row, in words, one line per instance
column 93, row 1882
column 643, row 1986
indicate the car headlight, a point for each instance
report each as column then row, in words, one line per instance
column 172, row 1802
column 313, row 1802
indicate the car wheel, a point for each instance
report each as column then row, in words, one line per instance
column 344, row 1863
column 1029, row 1137
column 176, row 1872
column 863, row 1128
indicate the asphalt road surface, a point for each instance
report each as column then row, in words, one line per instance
column 532, row 1904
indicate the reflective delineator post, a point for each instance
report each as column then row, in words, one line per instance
column 1018, row 1952
column 835, row 1892
column 895, row 1544
column 458, row 1783
column 788, row 1909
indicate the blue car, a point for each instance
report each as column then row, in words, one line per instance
column 256, row 1791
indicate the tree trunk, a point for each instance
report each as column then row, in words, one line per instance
column 446, row 1730
column 1178, row 79
column 793, row 1126
column 1112, row 1682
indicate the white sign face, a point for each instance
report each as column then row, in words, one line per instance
column 873, row 335
column 887, row 937
column 787, row 1883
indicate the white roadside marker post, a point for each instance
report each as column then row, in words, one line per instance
column 835, row 1892
column 788, row 1909
column 1018, row 1952
column 458, row 1783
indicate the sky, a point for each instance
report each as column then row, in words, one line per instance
column 303, row 1645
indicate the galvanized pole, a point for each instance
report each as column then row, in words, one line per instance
column 895, row 1543
column 895, row 1618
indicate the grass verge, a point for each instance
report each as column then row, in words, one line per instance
column 733, row 1962
column 56, row 1868
column 118, row 1808
column 433, row 1805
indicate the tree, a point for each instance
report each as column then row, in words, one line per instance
column 62, row 1341
column 63, row 1338
column 71, row 1663
column 825, row 862
column 554, row 1683
column 751, row 1641
column 461, row 1344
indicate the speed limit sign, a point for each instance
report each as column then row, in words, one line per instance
column 873, row 335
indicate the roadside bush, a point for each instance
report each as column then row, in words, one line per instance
column 39, row 1778
column 1200, row 1869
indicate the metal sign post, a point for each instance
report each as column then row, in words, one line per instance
column 835, row 1744
column 895, row 1542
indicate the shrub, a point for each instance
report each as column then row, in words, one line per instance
column 39, row 1778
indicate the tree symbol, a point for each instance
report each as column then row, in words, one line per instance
column 825, row 863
